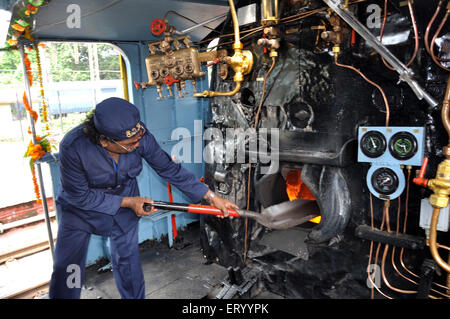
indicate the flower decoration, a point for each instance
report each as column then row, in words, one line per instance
column 35, row 152
column 26, row 10
column 31, row 10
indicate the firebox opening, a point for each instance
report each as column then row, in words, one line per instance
column 295, row 189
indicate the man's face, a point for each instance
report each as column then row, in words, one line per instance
column 123, row 146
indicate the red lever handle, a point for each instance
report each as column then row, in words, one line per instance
column 170, row 80
column 215, row 61
column 420, row 180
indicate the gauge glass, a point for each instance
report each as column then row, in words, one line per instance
column 385, row 181
column 373, row 144
column 403, row 145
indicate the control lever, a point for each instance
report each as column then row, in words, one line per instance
column 420, row 180
column 405, row 74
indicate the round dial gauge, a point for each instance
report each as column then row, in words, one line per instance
column 403, row 145
column 385, row 181
column 373, row 144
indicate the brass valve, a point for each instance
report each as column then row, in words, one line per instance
column 241, row 62
column 440, row 185
column 270, row 40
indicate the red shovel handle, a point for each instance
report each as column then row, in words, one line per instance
column 209, row 210
column 190, row 208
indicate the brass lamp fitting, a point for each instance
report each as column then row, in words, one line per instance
column 270, row 12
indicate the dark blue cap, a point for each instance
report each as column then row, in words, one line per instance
column 117, row 118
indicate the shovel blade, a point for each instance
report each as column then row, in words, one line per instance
column 289, row 214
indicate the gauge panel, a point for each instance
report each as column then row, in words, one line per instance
column 404, row 145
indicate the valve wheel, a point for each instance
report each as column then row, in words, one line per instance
column 158, row 26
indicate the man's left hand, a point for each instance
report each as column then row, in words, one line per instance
column 223, row 205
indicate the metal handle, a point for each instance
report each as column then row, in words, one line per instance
column 190, row 208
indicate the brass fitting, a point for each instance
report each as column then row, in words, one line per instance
column 241, row 62
column 213, row 93
column 440, row 185
column 270, row 12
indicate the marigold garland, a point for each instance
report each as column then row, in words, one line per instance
column 32, row 112
column 36, row 186
column 41, row 84
column 42, row 146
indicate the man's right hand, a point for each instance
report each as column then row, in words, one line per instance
column 137, row 205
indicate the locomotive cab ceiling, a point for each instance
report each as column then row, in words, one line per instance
column 99, row 18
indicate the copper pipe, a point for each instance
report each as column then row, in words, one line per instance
column 381, row 35
column 438, row 8
column 397, row 231
column 386, row 249
column 292, row 18
column 433, row 239
column 402, row 263
column 433, row 56
column 448, row 276
column 263, row 93
column 386, row 103
column 416, row 34
column 377, row 252
column 383, row 260
column 371, row 242
column 445, row 109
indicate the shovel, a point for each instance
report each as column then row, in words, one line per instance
column 280, row 216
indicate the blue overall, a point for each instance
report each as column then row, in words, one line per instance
column 92, row 188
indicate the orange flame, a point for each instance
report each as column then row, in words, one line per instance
column 295, row 189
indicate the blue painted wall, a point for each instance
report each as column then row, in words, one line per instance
column 161, row 118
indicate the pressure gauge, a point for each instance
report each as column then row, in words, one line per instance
column 403, row 145
column 373, row 144
column 385, row 181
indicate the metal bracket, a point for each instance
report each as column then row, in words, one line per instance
column 399, row 240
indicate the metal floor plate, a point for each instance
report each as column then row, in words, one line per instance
column 291, row 241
